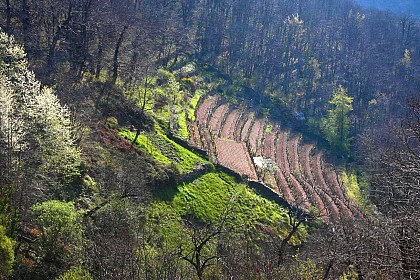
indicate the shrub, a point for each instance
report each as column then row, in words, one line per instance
column 62, row 229
column 76, row 273
column 7, row 256
column 112, row 123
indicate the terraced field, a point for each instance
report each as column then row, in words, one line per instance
column 259, row 150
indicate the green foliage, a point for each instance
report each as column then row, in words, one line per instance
column 8, row 231
column 355, row 186
column 76, row 273
column 172, row 103
column 268, row 128
column 187, row 84
column 163, row 232
column 302, row 269
column 167, row 81
column 112, row 122
column 336, row 127
column 193, row 103
column 62, row 229
column 166, row 78
column 350, row 274
column 8, row 213
column 7, row 256
column 314, row 126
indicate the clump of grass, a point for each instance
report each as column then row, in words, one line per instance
column 112, row 122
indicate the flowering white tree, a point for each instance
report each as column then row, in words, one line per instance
column 11, row 134
column 36, row 130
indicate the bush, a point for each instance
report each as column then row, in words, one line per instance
column 188, row 84
column 7, row 256
column 62, row 229
column 112, row 123
column 76, row 273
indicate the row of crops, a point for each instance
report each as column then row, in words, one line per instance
column 261, row 150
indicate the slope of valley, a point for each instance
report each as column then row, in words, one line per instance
column 204, row 140
column 260, row 150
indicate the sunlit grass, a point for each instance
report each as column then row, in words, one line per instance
column 208, row 196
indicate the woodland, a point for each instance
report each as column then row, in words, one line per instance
column 208, row 139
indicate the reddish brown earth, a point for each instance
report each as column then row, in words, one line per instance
column 234, row 155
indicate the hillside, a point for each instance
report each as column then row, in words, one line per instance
column 241, row 139
column 260, row 150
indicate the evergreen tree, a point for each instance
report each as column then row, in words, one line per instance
column 336, row 127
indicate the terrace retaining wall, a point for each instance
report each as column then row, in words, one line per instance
column 260, row 187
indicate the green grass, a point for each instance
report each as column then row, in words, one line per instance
column 193, row 103
column 268, row 129
column 144, row 144
column 352, row 185
column 164, row 150
column 208, row 196
column 183, row 126
column 183, row 158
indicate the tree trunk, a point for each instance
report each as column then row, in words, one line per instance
column 327, row 270
column 25, row 19
column 8, row 17
column 99, row 59
column 116, row 53
column 282, row 250
column 57, row 35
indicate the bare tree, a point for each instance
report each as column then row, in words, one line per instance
column 201, row 249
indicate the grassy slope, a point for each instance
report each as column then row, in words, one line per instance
column 208, row 196
column 164, row 150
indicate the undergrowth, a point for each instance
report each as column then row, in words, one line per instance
column 355, row 187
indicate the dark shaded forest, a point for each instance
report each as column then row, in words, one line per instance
column 100, row 102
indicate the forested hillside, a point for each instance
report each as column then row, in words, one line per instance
column 208, row 139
